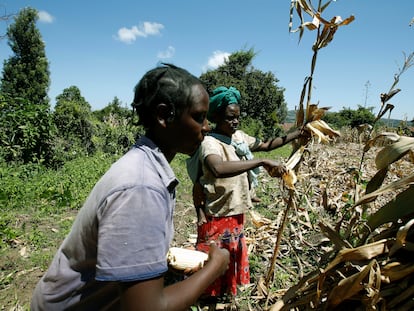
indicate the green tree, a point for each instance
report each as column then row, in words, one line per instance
column 25, row 131
column 350, row 117
column 73, row 120
column 115, row 129
column 113, row 108
column 262, row 99
column 25, row 123
column 26, row 72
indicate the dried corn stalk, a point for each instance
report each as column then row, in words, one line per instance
column 329, row 27
column 379, row 273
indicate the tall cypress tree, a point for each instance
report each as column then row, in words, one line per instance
column 26, row 72
column 25, row 121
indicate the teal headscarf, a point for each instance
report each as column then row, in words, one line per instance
column 222, row 97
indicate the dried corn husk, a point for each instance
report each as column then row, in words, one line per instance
column 289, row 178
column 258, row 220
column 185, row 259
column 323, row 132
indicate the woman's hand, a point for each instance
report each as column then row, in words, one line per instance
column 201, row 216
column 219, row 257
column 275, row 169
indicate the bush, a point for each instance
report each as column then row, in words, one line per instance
column 24, row 130
column 115, row 135
column 33, row 187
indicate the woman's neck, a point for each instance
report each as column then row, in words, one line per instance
column 168, row 153
column 218, row 131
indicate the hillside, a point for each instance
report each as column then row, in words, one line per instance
column 291, row 117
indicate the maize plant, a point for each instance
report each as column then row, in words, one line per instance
column 374, row 268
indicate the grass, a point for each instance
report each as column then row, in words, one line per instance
column 38, row 206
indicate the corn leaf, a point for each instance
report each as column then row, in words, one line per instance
column 295, row 158
column 314, row 24
column 364, row 252
column 384, row 135
column 369, row 277
column 388, row 107
column 324, row 6
column 391, row 153
column 376, row 181
column 334, row 236
column 405, row 295
column 396, row 185
column 310, row 112
column 347, row 21
column 258, row 220
column 398, row 208
column 300, row 114
column 401, row 239
column 306, row 6
column 395, row 271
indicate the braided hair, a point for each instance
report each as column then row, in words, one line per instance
column 166, row 84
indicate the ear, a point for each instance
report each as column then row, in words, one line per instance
column 164, row 115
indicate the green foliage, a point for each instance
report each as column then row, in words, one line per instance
column 255, row 127
column 33, row 187
column 26, row 73
column 73, row 119
column 252, row 127
column 351, row 118
column 7, row 232
column 279, row 153
column 115, row 129
column 25, row 129
column 38, row 206
column 291, row 116
column 265, row 100
column 262, row 99
column 185, row 187
column 115, row 135
column 404, row 128
column 114, row 108
column 25, row 125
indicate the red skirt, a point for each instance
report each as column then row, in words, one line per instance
column 227, row 232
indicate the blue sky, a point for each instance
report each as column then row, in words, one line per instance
column 104, row 47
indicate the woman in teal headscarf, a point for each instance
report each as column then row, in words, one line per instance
column 220, row 172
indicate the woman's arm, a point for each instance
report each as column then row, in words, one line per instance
column 222, row 169
column 278, row 141
column 151, row 294
column 199, row 200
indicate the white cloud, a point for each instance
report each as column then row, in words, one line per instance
column 129, row 35
column 168, row 53
column 216, row 60
column 45, row 17
column 152, row 28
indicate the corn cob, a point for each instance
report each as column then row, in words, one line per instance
column 185, row 259
column 289, row 177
